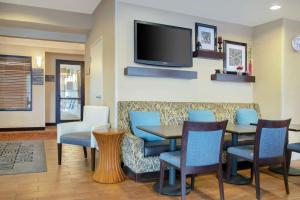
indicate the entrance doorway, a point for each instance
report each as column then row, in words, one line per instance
column 69, row 90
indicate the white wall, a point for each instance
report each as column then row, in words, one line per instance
column 36, row 117
column 104, row 27
column 290, row 76
column 43, row 102
column 165, row 89
column 267, row 67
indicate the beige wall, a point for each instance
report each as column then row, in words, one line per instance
column 36, row 117
column 104, row 27
column 164, row 89
column 50, row 69
column 291, row 71
column 41, row 101
column 267, row 68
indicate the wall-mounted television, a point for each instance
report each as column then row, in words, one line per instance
column 162, row 45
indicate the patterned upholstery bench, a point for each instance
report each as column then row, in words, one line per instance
column 172, row 113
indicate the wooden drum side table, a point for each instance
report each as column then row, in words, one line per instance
column 109, row 166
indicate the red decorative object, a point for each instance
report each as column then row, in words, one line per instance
column 250, row 68
column 239, row 68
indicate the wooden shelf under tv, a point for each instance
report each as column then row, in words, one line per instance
column 233, row 78
column 208, row 54
column 162, row 73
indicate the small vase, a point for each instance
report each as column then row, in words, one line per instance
column 250, row 68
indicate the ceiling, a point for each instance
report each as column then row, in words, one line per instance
column 246, row 12
column 79, row 6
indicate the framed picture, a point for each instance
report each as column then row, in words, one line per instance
column 206, row 37
column 235, row 59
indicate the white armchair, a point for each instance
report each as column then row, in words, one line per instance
column 80, row 133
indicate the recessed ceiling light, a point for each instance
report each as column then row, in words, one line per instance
column 275, row 7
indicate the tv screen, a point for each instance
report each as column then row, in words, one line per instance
column 163, row 45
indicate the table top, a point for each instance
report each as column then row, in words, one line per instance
column 108, row 132
column 175, row 131
column 292, row 127
column 164, row 131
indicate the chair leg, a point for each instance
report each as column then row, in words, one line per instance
column 93, row 157
column 285, row 177
column 257, row 182
column 251, row 171
column 220, row 180
column 59, row 152
column 183, row 186
column 288, row 159
column 193, row 181
column 84, row 151
column 161, row 176
column 228, row 167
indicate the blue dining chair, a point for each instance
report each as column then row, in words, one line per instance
column 269, row 148
column 245, row 116
column 293, row 147
column 202, row 144
column 201, row 116
column 143, row 118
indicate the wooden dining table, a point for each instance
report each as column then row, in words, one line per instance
column 170, row 132
column 173, row 132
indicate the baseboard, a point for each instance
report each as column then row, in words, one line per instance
column 141, row 177
column 22, row 129
column 50, row 124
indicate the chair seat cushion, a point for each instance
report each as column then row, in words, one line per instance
column 171, row 157
column 78, row 138
column 156, row 148
column 245, row 151
column 294, row 147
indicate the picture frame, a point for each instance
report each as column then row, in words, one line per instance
column 235, row 56
column 207, row 36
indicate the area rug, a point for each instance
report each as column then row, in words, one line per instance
column 18, row 157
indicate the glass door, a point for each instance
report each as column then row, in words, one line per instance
column 69, row 90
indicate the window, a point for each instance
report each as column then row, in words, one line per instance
column 15, row 83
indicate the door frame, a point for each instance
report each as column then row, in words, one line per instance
column 57, row 88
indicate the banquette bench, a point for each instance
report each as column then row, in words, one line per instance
column 141, row 158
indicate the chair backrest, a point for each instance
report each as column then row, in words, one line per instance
column 271, row 138
column 140, row 118
column 201, row 116
column 246, row 116
column 202, row 143
column 95, row 115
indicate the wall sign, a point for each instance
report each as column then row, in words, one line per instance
column 50, row 78
column 37, row 76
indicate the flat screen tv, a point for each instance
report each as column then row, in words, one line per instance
column 162, row 45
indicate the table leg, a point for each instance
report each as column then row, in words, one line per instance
column 173, row 187
column 236, row 178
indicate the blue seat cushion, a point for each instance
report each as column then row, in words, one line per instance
column 246, row 116
column 201, row 116
column 78, row 138
column 171, row 157
column 140, row 118
column 294, row 147
column 245, row 151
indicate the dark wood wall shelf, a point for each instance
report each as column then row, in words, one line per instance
column 232, row 78
column 208, row 54
column 162, row 73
